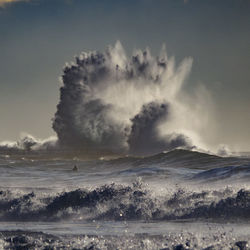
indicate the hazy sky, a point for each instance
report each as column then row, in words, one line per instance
column 37, row 38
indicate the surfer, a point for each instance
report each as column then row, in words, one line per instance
column 75, row 168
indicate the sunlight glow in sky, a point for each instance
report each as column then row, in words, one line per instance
column 4, row 2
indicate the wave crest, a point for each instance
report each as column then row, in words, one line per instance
column 119, row 202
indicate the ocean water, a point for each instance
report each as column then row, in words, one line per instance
column 174, row 200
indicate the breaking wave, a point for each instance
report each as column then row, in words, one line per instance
column 121, row 202
column 114, row 104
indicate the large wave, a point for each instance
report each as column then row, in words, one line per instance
column 112, row 103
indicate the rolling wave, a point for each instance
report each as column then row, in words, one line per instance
column 124, row 203
column 175, row 157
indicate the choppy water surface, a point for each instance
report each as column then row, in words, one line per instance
column 175, row 200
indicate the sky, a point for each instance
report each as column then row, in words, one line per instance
column 37, row 38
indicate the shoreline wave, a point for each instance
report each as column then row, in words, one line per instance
column 124, row 203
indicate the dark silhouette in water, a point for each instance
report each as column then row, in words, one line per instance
column 75, row 168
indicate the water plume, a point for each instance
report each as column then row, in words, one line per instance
column 114, row 103
column 111, row 103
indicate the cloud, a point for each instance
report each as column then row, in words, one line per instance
column 3, row 3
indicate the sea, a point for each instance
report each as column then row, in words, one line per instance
column 172, row 200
